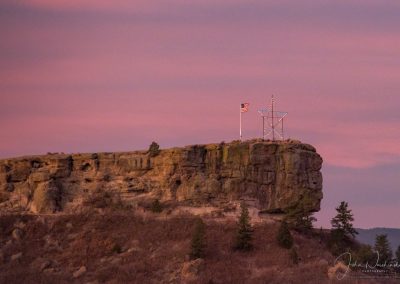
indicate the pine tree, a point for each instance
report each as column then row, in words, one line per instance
column 299, row 216
column 198, row 240
column 244, row 231
column 365, row 254
column 321, row 235
column 284, row 237
column 382, row 246
column 398, row 254
column 156, row 206
column 294, row 256
column 300, row 220
column 154, row 149
column 342, row 222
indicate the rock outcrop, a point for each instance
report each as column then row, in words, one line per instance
column 272, row 176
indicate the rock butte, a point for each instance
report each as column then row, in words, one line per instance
column 269, row 175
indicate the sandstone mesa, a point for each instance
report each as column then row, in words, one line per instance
column 272, row 176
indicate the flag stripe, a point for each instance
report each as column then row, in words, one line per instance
column 244, row 107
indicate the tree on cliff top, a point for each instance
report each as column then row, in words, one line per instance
column 154, row 149
column 244, row 230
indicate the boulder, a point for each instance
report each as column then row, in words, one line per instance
column 191, row 269
column 16, row 256
column 17, row 234
column 79, row 272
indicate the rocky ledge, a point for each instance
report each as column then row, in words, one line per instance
column 269, row 175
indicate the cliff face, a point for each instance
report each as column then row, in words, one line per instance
column 271, row 176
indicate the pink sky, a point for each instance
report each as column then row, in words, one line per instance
column 84, row 76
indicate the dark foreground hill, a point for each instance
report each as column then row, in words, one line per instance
column 123, row 247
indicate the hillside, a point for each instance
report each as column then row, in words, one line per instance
column 90, row 218
column 121, row 246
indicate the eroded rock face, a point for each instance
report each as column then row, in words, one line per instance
column 271, row 176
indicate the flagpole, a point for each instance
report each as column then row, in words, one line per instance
column 273, row 123
column 240, row 123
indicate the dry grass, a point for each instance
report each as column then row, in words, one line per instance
column 119, row 247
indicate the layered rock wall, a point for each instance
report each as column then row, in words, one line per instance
column 272, row 176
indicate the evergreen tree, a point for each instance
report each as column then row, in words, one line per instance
column 398, row 254
column 156, row 206
column 382, row 246
column 284, row 237
column 244, row 231
column 342, row 223
column 299, row 216
column 154, row 149
column 365, row 254
column 300, row 220
column 294, row 256
column 198, row 240
column 321, row 235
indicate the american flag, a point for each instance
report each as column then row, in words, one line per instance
column 244, row 107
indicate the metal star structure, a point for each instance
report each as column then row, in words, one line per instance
column 272, row 121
